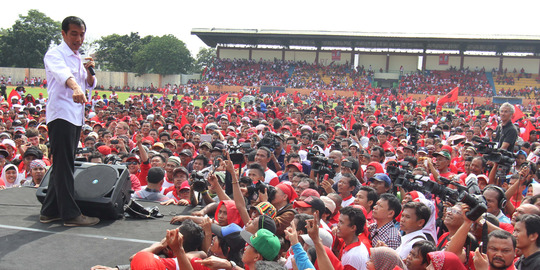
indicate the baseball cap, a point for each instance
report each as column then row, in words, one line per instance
column 422, row 150
column 158, row 145
column 444, row 154
column 297, row 165
column 186, row 152
column 381, row 177
column 326, row 238
column 329, row 203
column 264, row 242
column 266, row 222
column 207, row 144
column 265, row 208
column 312, row 202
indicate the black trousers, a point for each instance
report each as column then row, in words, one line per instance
column 60, row 200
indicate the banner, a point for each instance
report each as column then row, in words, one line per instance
column 443, row 59
column 336, row 55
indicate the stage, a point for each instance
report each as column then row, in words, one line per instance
column 25, row 243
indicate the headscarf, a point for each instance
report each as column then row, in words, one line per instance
column 444, row 260
column 430, row 227
column 17, row 180
column 386, row 258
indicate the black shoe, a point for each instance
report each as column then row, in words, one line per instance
column 81, row 221
column 45, row 219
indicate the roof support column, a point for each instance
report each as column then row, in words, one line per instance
column 317, row 55
column 424, row 60
column 250, row 53
column 283, row 54
column 352, row 57
column 217, row 52
column 461, row 60
column 538, row 66
column 387, row 62
column 501, row 63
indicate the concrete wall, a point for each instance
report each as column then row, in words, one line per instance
column 325, row 58
column 486, row 62
column 409, row 63
column 105, row 78
column 225, row 53
column 432, row 62
column 308, row 56
column 530, row 65
column 376, row 61
column 268, row 55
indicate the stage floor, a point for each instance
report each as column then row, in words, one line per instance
column 25, row 243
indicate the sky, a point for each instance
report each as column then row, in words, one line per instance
column 164, row 17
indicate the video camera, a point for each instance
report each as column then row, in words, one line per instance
column 402, row 177
column 269, row 141
column 198, row 179
column 470, row 195
column 237, row 157
column 320, row 164
column 504, row 158
column 254, row 189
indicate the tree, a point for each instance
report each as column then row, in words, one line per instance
column 205, row 57
column 27, row 41
column 117, row 53
column 164, row 55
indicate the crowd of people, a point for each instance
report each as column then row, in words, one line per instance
column 292, row 184
column 471, row 83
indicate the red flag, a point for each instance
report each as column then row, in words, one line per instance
column 427, row 101
column 221, row 99
column 530, row 127
column 13, row 94
column 353, row 121
column 517, row 114
column 450, row 97
column 183, row 120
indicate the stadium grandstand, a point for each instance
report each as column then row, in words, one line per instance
column 503, row 67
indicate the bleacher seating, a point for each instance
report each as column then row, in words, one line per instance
column 517, row 85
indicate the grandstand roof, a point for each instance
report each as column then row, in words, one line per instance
column 286, row 38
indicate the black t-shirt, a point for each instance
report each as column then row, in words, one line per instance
column 507, row 133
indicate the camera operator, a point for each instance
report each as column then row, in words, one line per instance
column 506, row 132
column 278, row 156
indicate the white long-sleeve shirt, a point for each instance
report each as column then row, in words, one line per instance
column 61, row 63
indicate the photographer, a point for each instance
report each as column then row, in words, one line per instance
column 506, row 132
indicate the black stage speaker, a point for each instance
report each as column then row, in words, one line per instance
column 100, row 190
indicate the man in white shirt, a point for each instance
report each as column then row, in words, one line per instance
column 68, row 78
column 414, row 217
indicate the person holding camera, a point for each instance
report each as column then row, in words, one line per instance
column 506, row 133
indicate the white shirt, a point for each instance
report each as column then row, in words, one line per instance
column 356, row 257
column 407, row 241
column 61, row 63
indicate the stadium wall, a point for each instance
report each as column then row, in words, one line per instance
column 299, row 56
column 488, row 63
column 105, row 78
column 432, row 62
column 409, row 63
column 375, row 61
column 231, row 53
column 530, row 65
column 268, row 55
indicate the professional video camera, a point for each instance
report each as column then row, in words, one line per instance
column 198, row 181
column 235, row 154
column 470, row 195
column 413, row 131
column 254, row 189
column 269, row 141
column 505, row 159
column 320, row 164
column 402, row 176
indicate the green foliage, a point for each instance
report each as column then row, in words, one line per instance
column 164, row 55
column 27, row 41
column 205, row 57
column 116, row 52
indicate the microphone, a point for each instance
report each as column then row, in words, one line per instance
column 92, row 72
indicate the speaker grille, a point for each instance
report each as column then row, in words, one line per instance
column 95, row 181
